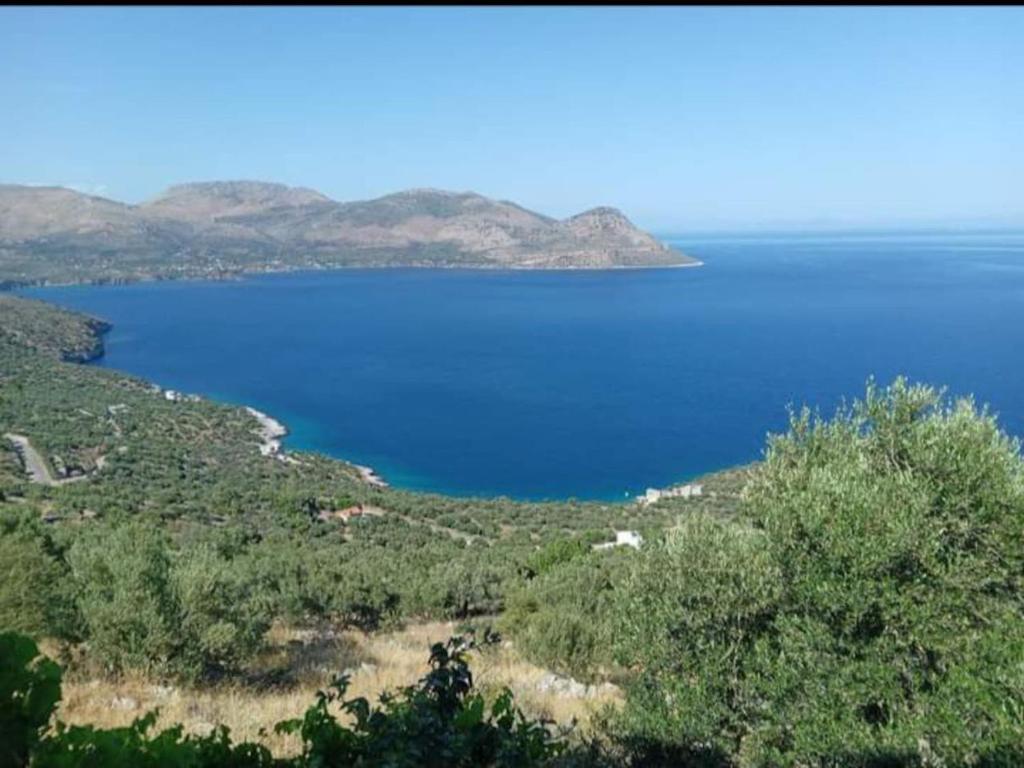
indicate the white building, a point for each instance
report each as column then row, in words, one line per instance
column 623, row 539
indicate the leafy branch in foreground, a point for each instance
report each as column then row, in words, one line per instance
column 439, row 722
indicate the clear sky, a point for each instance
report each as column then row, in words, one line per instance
column 686, row 118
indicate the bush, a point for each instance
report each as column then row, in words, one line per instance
column 190, row 616
column 868, row 612
column 128, row 608
column 554, row 554
column 563, row 618
column 471, row 586
column 221, row 620
column 34, row 594
column 689, row 612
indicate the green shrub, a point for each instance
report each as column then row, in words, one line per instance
column 135, row 746
column 554, row 554
column 34, row 594
column 688, row 612
column 867, row 612
column 470, row 586
column 221, row 620
column 129, row 613
column 146, row 608
column 563, row 618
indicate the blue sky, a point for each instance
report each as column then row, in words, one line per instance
column 686, row 118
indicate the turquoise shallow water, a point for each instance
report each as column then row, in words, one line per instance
column 588, row 384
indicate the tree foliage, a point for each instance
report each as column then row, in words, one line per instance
column 146, row 608
column 868, row 612
column 34, row 592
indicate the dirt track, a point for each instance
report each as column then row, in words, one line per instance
column 35, row 466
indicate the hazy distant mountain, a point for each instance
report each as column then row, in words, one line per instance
column 214, row 199
column 56, row 234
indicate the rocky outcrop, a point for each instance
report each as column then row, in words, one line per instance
column 69, row 336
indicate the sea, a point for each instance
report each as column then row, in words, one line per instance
column 582, row 384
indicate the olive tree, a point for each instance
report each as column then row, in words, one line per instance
column 867, row 609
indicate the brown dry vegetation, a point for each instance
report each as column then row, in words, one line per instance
column 296, row 665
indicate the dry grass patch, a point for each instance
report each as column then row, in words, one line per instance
column 299, row 663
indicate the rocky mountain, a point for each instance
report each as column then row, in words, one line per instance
column 212, row 228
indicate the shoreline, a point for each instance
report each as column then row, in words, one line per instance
column 370, row 476
column 614, row 268
column 12, row 285
column 272, row 432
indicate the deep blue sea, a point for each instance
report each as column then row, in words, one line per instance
column 584, row 384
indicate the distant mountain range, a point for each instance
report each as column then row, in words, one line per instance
column 53, row 234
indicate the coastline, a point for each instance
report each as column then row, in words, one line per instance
column 272, row 432
column 14, row 285
column 370, row 476
column 613, row 268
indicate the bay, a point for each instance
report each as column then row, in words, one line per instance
column 586, row 384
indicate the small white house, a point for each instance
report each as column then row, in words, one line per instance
column 623, row 539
